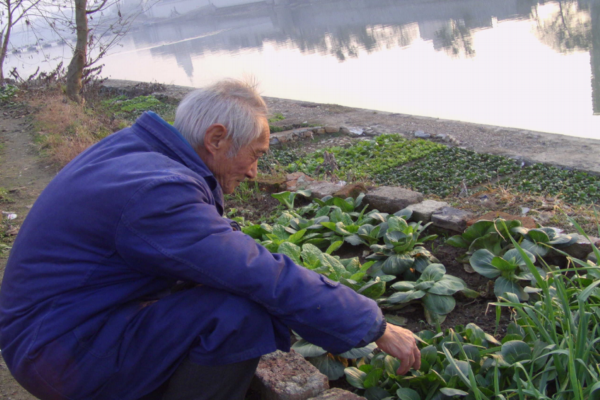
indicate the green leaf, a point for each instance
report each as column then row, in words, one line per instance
column 433, row 272
column 404, row 286
column 395, row 319
column 429, row 354
column 328, row 366
column 372, row 378
column 397, row 264
column 457, row 241
column 404, row 214
column 334, row 246
column 359, row 352
column 481, row 261
column 355, row 377
column 503, row 265
column 407, row 394
column 439, row 304
column 516, row 351
column 306, row 349
column 492, row 242
column 453, row 392
column 391, row 365
column 290, row 250
column 405, row 297
column 396, row 224
column 514, row 254
column 373, row 289
column 478, row 229
column 538, row 236
column 453, row 369
column 503, row 285
column 376, row 393
column 354, row 240
column 447, row 287
column 297, row 237
column 344, row 205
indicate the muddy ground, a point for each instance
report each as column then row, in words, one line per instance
column 24, row 174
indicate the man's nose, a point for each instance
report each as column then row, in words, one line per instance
column 253, row 171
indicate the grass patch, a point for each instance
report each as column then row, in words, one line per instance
column 276, row 160
column 130, row 109
column 276, row 117
column 574, row 187
column 369, row 159
column 443, row 173
column 4, row 196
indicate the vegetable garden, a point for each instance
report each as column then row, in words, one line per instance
column 549, row 315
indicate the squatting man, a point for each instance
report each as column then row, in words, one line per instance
column 126, row 282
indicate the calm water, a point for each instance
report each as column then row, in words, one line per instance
column 517, row 63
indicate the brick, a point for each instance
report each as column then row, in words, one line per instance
column 390, row 199
column 451, row 218
column 271, row 185
column 424, row 210
column 288, row 376
column 331, row 129
column 337, row 394
column 321, row 189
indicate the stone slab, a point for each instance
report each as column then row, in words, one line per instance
column 451, row 218
column 582, row 247
column 288, row 376
column 424, row 210
column 321, row 189
column 351, row 190
column 391, row 199
column 337, row 394
column 298, row 181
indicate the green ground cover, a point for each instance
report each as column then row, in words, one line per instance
column 549, row 349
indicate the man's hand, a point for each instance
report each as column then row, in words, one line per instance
column 400, row 343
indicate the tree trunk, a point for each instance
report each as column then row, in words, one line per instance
column 75, row 70
column 5, row 39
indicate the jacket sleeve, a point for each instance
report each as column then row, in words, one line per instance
column 170, row 229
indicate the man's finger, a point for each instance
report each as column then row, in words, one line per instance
column 405, row 364
column 417, row 363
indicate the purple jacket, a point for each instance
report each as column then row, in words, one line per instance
column 118, row 226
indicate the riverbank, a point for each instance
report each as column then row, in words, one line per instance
column 529, row 146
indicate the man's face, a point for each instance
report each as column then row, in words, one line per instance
column 230, row 172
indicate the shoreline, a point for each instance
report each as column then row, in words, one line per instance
column 568, row 152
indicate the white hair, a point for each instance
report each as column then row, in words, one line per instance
column 234, row 104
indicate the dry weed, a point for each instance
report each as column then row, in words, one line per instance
column 64, row 128
column 545, row 210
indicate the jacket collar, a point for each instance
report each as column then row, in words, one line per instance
column 174, row 145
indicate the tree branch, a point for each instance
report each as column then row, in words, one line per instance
column 97, row 8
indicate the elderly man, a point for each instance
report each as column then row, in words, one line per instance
column 125, row 281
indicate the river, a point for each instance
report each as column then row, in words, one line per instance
column 525, row 64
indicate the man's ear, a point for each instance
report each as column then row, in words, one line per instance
column 215, row 139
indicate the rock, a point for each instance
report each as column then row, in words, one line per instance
column 582, row 247
column 271, row 185
column 356, row 131
column 451, row 218
column 321, row 189
column 422, row 135
column 352, row 190
column 526, row 222
column 331, row 129
column 441, row 136
column 390, row 199
column 344, row 130
column 320, row 131
column 273, row 141
column 337, row 394
column 307, row 135
column 297, row 181
column 288, row 376
column 424, row 210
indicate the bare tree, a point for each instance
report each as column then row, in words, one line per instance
column 12, row 12
column 98, row 24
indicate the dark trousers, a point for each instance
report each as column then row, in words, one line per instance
column 198, row 382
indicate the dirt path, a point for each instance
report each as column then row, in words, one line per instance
column 23, row 176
